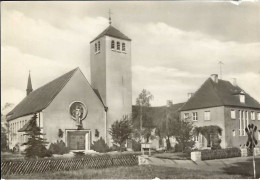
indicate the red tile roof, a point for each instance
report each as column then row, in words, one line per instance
column 113, row 32
column 40, row 98
column 222, row 93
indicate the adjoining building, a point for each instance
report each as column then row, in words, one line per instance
column 71, row 106
column 221, row 103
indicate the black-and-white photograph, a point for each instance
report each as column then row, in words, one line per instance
column 130, row 89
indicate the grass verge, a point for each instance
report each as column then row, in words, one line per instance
column 135, row 172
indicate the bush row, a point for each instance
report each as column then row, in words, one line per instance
column 220, row 153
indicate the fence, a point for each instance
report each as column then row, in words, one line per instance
column 51, row 165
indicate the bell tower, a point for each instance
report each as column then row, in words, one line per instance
column 111, row 75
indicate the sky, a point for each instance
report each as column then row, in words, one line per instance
column 176, row 46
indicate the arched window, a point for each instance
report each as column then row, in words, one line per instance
column 112, row 44
column 98, row 46
column 95, row 47
column 123, row 47
column 118, row 46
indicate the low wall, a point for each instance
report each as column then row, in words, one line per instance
column 221, row 153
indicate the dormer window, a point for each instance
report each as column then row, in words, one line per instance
column 123, row 47
column 118, row 46
column 242, row 98
column 112, row 44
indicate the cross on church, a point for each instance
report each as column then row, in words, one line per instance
column 109, row 14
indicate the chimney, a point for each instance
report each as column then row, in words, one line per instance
column 190, row 95
column 169, row 103
column 234, row 82
column 214, row 78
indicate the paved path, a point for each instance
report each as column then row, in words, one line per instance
column 208, row 165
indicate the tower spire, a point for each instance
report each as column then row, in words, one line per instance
column 109, row 14
column 29, row 85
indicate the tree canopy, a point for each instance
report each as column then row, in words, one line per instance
column 121, row 131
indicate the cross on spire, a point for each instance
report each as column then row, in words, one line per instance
column 109, row 14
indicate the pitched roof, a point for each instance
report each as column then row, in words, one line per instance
column 40, row 98
column 222, row 93
column 113, row 32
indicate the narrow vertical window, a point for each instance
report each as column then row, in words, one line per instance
column 247, row 118
column 98, row 46
column 240, row 123
column 112, row 44
column 233, row 114
column 244, row 123
column 258, row 117
column 207, row 115
column 118, row 46
column 95, row 47
column 252, row 115
column 234, row 133
column 123, row 47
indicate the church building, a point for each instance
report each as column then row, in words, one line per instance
column 71, row 109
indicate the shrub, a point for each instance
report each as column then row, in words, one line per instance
column 220, row 153
column 178, row 147
column 100, row 146
column 117, row 148
column 136, row 146
column 58, row 148
column 79, row 154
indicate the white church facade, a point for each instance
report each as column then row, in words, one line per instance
column 70, row 105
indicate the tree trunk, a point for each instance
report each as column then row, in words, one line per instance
column 168, row 143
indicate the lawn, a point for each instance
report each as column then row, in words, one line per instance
column 173, row 156
column 135, row 172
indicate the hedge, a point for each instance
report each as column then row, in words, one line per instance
column 220, row 153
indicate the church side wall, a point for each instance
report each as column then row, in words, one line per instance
column 56, row 115
column 18, row 138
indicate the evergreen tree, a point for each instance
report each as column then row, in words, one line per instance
column 4, row 145
column 35, row 144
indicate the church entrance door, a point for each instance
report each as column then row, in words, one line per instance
column 76, row 140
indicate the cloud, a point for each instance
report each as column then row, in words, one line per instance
column 167, row 59
column 164, row 83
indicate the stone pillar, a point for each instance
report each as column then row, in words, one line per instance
column 243, row 152
column 195, row 156
column 142, row 160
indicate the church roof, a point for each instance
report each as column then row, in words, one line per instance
column 40, row 98
column 113, row 32
column 221, row 93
